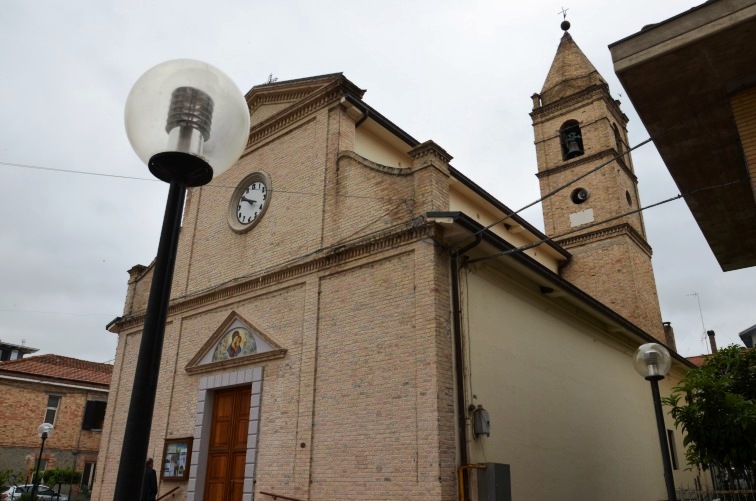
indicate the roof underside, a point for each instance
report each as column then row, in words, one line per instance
column 680, row 75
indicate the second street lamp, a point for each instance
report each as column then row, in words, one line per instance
column 45, row 431
column 652, row 361
column 189, row 123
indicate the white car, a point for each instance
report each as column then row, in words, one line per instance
column 44, row 493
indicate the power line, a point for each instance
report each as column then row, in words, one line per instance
column 597, row 223
column 591, row 171
column 58, row 313
column 70, row 171
column 134, row 178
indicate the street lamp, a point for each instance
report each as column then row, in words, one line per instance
column 188, row 122
column 652, row 361
column 45, row 431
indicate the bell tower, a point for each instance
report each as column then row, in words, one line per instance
column 578, row 127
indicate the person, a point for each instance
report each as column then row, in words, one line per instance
column 236, row 345
column 149, row 487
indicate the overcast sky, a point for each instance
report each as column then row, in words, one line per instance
column 460, row 73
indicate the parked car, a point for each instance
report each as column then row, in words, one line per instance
column 44, row 493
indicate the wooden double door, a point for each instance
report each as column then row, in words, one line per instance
column 227, row 451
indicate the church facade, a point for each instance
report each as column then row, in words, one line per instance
column 353, row 318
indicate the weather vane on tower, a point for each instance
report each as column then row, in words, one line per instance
column 565, row 23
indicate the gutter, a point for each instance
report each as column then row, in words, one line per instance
column 523, row 259
column 42, row 381
column 459, row 372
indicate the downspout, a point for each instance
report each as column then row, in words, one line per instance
column 459, row 359
column 356, row 102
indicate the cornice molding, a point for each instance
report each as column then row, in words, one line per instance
column 309, row 104
column 336, row 255
column 394, row 171
column 604, row 233
column 577, row 162
column 578, row 99
column 282, row 96
column 430, row 148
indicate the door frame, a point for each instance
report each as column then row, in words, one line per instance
column 203, row 421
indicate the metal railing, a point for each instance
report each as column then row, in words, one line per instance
column 167, row 493
column 715, row 495
column 279, row 496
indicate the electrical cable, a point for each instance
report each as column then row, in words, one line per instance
column 337, row 244
column 591, row 171
column 134, row 178
column 591, row 225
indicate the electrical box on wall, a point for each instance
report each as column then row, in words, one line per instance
column 494, row 483
column 481, row 422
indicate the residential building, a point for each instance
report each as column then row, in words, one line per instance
column 691, row 79
column 70, row 394
column 10, row 351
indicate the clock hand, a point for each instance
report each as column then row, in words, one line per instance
column 245, row 199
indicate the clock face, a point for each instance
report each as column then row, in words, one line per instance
column 249, row 202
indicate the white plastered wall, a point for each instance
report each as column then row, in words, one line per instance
column 568, row 412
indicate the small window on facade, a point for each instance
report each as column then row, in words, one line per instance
column 87, row 478
column 571, row 139
column 94, row 415
column 53, row 402
column 672, row 448
column 629, row 198
column 42, row 468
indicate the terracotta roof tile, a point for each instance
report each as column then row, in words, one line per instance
column 59, row 367
column 698, row 361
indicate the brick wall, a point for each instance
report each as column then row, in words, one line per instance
column 614, row 268
column 23, row 410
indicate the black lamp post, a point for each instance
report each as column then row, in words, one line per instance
column 652, row 361
column 189, row 123
column 45, row 431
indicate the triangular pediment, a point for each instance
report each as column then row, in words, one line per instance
column 269, row 99
column 276, row 105
column 571, row 71
column 235, row 342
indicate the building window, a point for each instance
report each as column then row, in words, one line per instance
column 87, row 478
column 571, row 139
column 53, row 402
column 618, row 140
column 672, row 448
column 94, row 415
column 42, row 468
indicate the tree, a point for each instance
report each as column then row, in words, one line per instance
column 715, row 405
column 61, row 476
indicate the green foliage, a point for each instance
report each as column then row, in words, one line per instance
column 715, row 405
column 85, row 491
column 6, row 477
column 10, row 477
column 61, row 476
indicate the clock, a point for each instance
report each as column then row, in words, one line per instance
column 249, row 202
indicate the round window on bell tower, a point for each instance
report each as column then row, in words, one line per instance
column 579, row 195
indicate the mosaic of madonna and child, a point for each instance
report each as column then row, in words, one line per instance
column 237, row 342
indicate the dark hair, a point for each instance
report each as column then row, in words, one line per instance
column 149, row 461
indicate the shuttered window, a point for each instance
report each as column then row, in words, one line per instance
column 94, row 415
